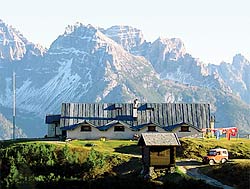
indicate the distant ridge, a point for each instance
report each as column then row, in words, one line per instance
column 90, row 64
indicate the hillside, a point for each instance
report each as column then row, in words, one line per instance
column 89, row 64
column 96, row 164
column 235, row 172
column 6, row 129
column 237, row 169
column 197, row 148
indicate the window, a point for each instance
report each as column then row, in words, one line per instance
column 212, row 153
column 85, row 128
column 119, row 128
column 151, row 128
column 224, row 152
column 184, row 129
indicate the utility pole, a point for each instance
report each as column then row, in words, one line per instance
column 14, row 105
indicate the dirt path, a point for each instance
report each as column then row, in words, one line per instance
column 191, row 168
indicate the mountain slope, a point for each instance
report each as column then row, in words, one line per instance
column 88, row 64
column 6, row 129
column 171, row 61
column 130, row 38
column 235, row 75
column 13, row 46
column 85, row 65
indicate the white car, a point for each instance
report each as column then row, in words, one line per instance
column 216, row 155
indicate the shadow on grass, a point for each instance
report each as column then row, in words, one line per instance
column 132, row 149
column 232, row 173
column 132, row 167
column 188, row 163
column 107, row 182
column 122, row 176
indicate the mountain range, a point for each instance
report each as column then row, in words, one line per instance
column 92, row 64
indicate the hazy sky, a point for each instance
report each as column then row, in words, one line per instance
column 212, row 30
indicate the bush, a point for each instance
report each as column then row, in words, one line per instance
column 69, row 156
column 95, row 159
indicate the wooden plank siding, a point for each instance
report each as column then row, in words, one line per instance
column 163, row 114
column 161, row 157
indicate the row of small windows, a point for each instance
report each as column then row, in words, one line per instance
column 87, row 128
column 120, row 128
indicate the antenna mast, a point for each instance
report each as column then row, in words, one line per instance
column 14, row 105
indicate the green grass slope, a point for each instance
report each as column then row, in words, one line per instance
column 96, row 164
column 235, row 173
column 197, row 148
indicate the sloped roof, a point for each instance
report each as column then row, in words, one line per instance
column 112, row 124
column 159, row 139
column 172, row 127
column 74, row 126
column 139, row 127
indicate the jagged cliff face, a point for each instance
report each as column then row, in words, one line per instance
column 88, row 64
column 85, row 65
column 171, row 61
column 6, row 129
column 236, row 76
column 13, row 46
column 130, row 38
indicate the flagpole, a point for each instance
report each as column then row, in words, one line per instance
column 14, row 105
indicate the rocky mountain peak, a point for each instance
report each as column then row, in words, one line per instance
column 85, row 40
column 14, row 46
column 78, row 36
column 239, row 61
column 127, row 36
column 78, row 28
column 175, row 46
column 165, row 50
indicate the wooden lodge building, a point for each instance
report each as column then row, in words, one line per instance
column 128, row 120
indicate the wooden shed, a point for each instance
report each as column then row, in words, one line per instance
column 158, row 150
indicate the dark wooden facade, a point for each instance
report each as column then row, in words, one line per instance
column 163, row 114
column 158, row 149
column 163, row 156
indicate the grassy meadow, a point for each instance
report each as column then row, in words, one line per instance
column 110, row 163
column 197, row 148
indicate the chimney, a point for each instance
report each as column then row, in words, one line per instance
column 135, row 106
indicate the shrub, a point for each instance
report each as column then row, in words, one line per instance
column 69, row 156
column 95, row 159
